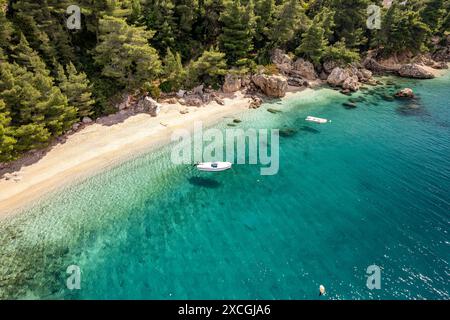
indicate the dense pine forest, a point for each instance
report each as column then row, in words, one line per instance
column 51, row 77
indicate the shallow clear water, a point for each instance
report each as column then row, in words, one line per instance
column 372, row 187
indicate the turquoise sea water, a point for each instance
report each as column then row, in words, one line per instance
column 372, row 187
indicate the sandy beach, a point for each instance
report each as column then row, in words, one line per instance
column 103, row 144
column 110, row 141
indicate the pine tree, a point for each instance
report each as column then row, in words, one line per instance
column 208, row 69
column 432, row 14
column 185, row 18
column 289, row 20
column 313, row 43
column 123, row 53
column 7, row 140
column 32, row 99
column 159, row 16
column 173, row 72
column 210, row 23
column 445, row 23
column 42, row 24
column 6, row 29
column 264, row 18
column 25, row 56
column 402, row 30
column 340, row 54
column 238, row 22
column 185, row 12
column 326, row 18
column 350, row 19
column 77, row 89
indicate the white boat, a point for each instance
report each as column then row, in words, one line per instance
column 317, row 120
column 214, row 166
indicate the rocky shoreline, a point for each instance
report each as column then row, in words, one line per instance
column 290, row 74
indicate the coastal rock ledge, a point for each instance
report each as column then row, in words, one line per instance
column 414, row 71
column 273, row 86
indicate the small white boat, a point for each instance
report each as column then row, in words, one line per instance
column 317, row 120
column 214, row 166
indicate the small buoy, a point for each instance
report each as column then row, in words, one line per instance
column 322, row 290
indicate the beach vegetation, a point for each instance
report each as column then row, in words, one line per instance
column 51, row 76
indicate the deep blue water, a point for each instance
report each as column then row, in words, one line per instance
column 371, row 187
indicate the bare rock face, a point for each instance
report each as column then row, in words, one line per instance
column 440, row 65
column 170, row 100
column 127, row 102
column 377, row 67
column 180, row 94
column 256, row 102
column 329, row 66
column 297, row 82
column 323, row 75
column 76, row 126
column 366, row 75
column 351, row 83
column 272, row 86
column 304, row 69
column 337, row 77
column 86, row 120
column 442, row 54
column 405, row 93
column 149, row 105
column 193, row 100
column 198, row 90
column 414, row 71
column 232, row 83
column 282, row 61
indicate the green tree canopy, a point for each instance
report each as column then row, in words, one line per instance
column 208, row 69
column 123, row 52
column 238, row 30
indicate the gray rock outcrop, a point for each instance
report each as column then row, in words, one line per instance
column 337, row 77
column 148, row 105
column 272, row 85
column 414, row 71
column 304, row 69
column 405, row 93
column 232, row 83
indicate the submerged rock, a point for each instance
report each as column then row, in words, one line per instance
column 256, row 102
column 387, row 97
column 347, row 92
column 309, row 129
column 349, row 105
column 405, row 93
column 274, row 110
column 287, row 132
